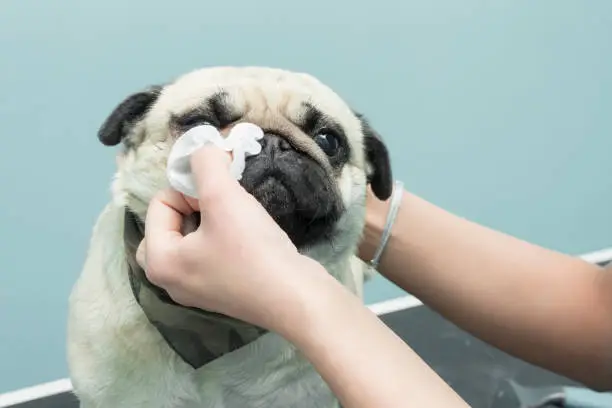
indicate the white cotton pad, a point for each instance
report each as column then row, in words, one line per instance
column 241, row 141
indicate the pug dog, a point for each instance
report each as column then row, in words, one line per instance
column 318, row 156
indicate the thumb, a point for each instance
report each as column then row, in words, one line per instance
column 211, row 172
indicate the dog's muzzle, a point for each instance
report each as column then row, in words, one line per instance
column 299, row 194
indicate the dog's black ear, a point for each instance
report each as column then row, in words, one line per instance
column 132, row 109
column 380, row 177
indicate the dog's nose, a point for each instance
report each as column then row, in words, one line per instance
column 271, row 143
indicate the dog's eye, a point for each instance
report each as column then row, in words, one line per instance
column 328, row 142
column 189, row 122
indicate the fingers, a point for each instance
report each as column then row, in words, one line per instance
column 141, row 257
column 158, row 252
column 173, row 199
column 210, row 166
column 164, row 219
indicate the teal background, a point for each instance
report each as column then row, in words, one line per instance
column 497, row 110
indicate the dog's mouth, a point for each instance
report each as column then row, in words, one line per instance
column 307, row 215
column 296, row 192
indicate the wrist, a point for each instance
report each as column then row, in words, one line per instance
column 308, row 301
column 304, row 282
column 375, row 217
column 379, row 225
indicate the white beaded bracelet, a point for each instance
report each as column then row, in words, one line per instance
column 396, row 200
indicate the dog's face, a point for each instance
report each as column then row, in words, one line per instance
column 317, row 154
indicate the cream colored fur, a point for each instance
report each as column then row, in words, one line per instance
column 116, row 358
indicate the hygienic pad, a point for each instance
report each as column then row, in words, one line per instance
column 242, row 141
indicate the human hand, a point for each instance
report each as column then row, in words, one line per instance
column 239, row 262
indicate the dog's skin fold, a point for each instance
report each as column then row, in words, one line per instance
column 318, row 155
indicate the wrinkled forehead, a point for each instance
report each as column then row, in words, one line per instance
column 254, row 93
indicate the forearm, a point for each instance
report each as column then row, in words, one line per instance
column 547, row 308
column 365, row 364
